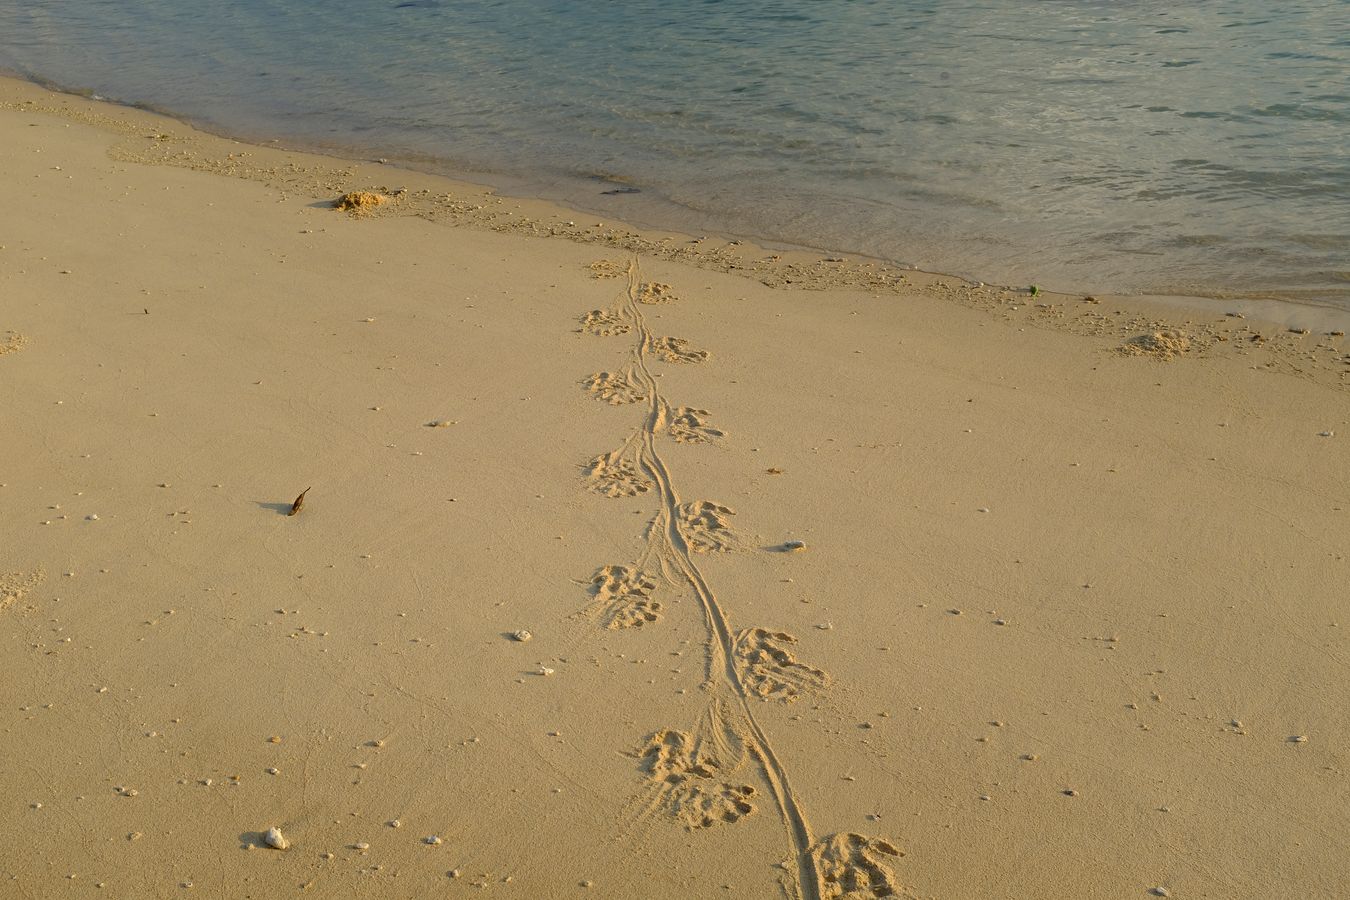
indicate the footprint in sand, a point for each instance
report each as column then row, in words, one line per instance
column 615, row 388
column 690, row 426
column 854, row 866
column 615, row 476
column 770, row 671
column 607, row 268
column 691, row 790
column 604, row 323
column 706, row 527
column 623, row 597
column 653, row 292
column 13, row 585
column 675, row 350
column 13, row 342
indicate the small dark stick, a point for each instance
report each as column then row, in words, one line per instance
column 299, row 502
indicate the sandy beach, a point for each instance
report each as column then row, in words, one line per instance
column 635, row 564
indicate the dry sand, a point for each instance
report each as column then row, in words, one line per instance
column 1071, row 577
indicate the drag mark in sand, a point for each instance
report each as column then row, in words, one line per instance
column 692, row 776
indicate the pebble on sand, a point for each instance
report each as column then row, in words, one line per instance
column 521, row 635
column 275, row 839
column 794, row 546
column 432, row 839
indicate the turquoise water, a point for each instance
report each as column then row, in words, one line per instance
column 1135, row 146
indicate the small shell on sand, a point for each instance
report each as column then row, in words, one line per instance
column 793, row 546
column 545, row 671
column 361, row 845
column 275, row 839
column 431, row 839
column 1298, row 739
column 521, row 635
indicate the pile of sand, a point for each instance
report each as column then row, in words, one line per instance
column 1161, row 344
column 359, row 202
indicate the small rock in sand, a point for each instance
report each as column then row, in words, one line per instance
column 521, row 635
column 275, row 839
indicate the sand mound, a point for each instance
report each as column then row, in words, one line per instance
column 1161, row 344
column 357, row 202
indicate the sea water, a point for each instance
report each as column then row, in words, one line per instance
column 1153, row 147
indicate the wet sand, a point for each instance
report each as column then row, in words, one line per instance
column 839, row 579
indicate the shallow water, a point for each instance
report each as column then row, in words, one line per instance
column 1147, row 147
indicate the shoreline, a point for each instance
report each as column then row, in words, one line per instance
column 632, row 565
column 514, row 187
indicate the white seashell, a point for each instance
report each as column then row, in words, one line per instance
column 794, row 545
column 275, row 839
column 521, row 635
column 1326, row 434
column 431, row 839
column 545, row 670
column 361, row 845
